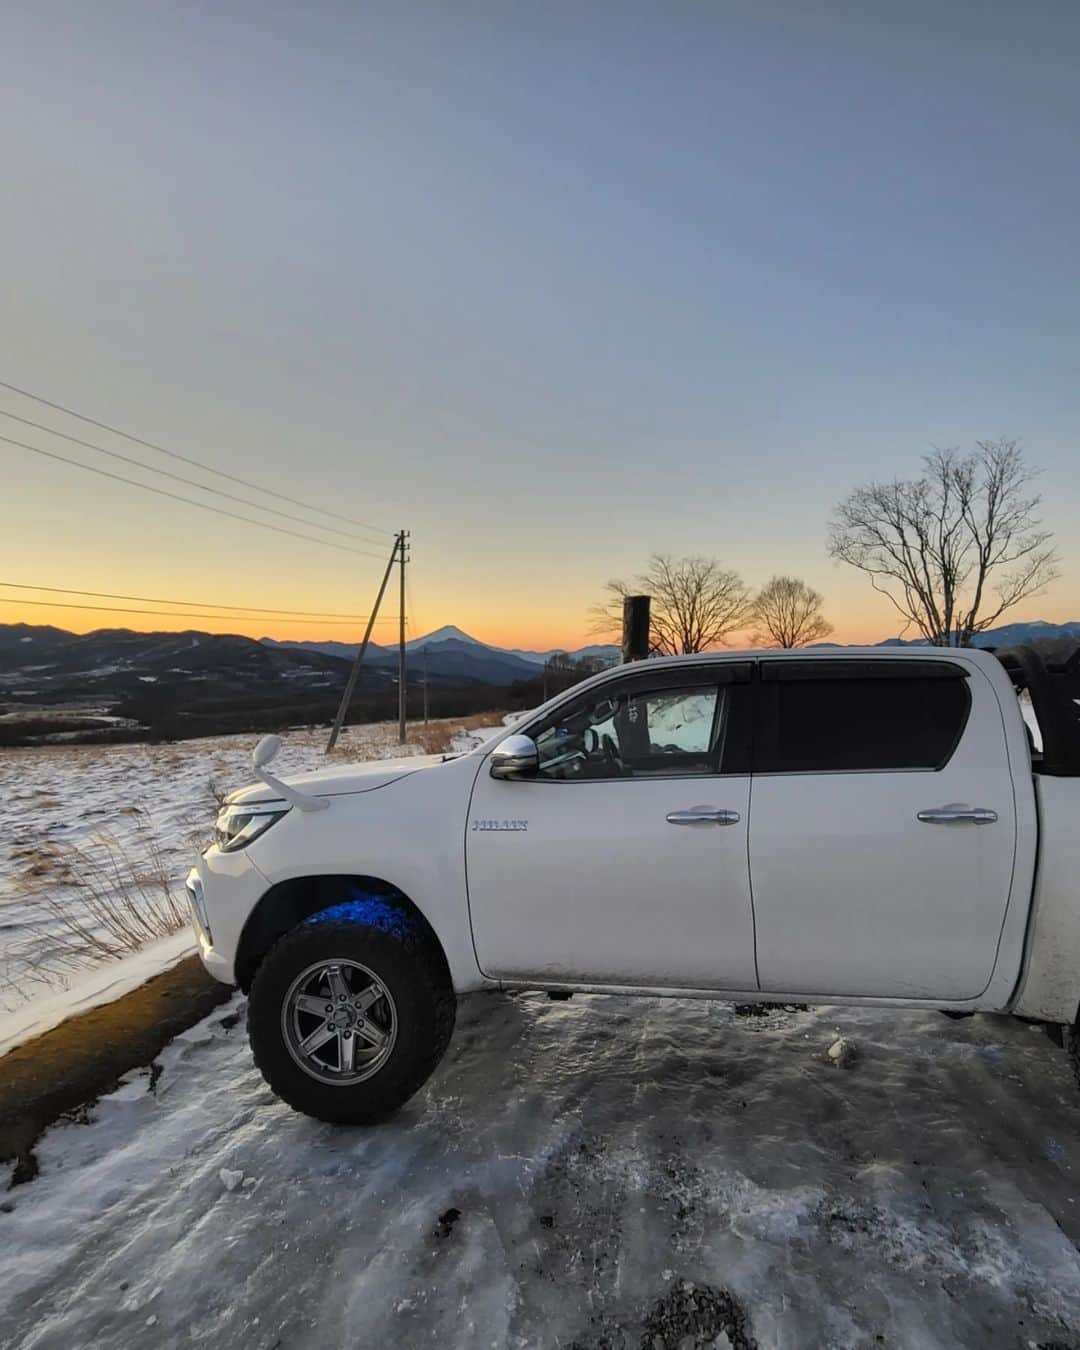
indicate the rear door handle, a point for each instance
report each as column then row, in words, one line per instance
column 703, row 815
column 957, row 814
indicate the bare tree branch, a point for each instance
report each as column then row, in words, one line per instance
column 954, row 549
column 696, row 604
column 787, row 613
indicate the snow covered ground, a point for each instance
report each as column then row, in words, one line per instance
column 603, row 1173
column 56, row 799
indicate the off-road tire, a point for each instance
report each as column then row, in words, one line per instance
column 407, row 960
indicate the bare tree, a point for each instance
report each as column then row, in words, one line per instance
column 696, row 603
column 954, row 549
column 787, row 613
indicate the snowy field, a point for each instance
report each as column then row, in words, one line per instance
column 143, row 798
column 602, row 1174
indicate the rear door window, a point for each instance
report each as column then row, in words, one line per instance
column 829, row 717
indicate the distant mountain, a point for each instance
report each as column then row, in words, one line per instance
column 1008, row 635
column 27, row 643
column 344, row 651
column 451, row 651
column 118, row 684
column 606, row 651
column 1012, row 634
column 454, row 654
column 450, row 656
column 113, row 659
column 447, row 633
column 450, row 633
column 465, row 658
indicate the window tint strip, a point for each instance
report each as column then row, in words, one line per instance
column 861, row 669
column 681, row 677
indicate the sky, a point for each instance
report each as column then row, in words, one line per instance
column 551, row 286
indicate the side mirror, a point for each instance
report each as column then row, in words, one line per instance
column 515, row 757
column 265, row 751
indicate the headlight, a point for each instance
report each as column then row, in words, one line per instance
column 237, row 826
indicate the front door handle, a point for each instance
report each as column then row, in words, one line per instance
column 957, row 814
column 703, row 815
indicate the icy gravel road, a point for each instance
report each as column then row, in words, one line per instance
column 569, row 1173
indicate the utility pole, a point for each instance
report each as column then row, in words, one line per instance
column 402, row 536
column 350, row 684
column 424, row 653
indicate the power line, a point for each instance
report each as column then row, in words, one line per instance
column 205, row 506
column 170, row 613
column 206, row 604
column 177, row 478
column 197, row 464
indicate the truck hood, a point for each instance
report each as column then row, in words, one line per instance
column 340, row 778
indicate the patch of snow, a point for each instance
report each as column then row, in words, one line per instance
column 842, row 1053
column 148, row 679
column 230, row 1179
column 465, row 741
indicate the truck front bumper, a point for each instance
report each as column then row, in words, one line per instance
column 222, row 890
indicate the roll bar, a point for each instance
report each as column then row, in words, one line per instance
column 1053, row 685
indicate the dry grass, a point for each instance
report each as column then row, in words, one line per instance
column 432, row 738
column 436, row 738
column 102, row 900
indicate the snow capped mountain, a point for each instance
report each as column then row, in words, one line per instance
column 447, row 633
column 451, row 639
column 450, row 655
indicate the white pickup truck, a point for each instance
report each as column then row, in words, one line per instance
column 875, row 826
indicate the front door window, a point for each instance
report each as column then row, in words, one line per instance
column 633, row 733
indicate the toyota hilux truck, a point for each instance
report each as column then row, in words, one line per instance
column 880, row 826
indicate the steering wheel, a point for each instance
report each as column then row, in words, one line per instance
column 611, row 752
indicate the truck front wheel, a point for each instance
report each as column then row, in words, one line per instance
column 350, row 1012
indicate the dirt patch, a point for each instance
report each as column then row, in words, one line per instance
column 767, row 1009
column 695, row 1315
column 84, row 1057
column 688, row 1317
column 26, row 1169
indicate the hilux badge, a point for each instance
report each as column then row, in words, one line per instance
column 500, row 824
